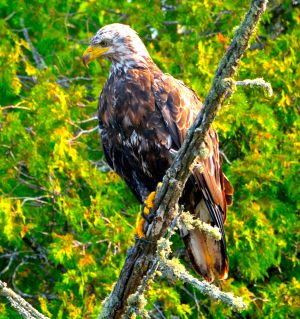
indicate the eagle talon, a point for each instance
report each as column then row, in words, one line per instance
column 145, row 216
column 147, row 207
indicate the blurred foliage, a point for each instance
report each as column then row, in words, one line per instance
column 66, row 222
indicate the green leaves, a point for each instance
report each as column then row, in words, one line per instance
column 61, row 210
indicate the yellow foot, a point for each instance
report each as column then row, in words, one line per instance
column 148, row 204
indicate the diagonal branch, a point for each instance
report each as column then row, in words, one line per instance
column 17, row 302
column 36, row 56
column 140, row 257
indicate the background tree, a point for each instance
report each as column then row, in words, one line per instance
column 66, row 221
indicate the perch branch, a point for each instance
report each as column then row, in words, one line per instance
column 137, row 301
column 140, row 257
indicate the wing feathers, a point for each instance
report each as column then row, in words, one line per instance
column 179, row 106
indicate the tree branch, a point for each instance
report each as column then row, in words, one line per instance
column 17, row 302
column 257, row 82
column 83, row 132
column 174, row 270
column 140, row 258
column 36, row 56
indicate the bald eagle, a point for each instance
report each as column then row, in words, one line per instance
column 144, row 115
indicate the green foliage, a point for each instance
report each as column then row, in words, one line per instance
column 66, row 223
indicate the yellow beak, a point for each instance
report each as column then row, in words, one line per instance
column 92, row 53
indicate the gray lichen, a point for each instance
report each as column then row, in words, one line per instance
column 17, row 302
column 257, row 82
column 191, row 223
column 174, row 270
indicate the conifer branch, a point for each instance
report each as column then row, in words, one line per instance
column 17, row 302
column 140, row 257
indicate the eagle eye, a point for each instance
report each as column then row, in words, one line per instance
column 103, row 43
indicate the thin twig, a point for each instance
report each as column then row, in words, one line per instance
column 36, row 56
column 170, row 22
column 225, row 157
column 10, row 16
column 84, row 132
column 93, row 118
column 65, row 82
column 193, row 296
column 11, row 259
column 257, row 82
column 17, row 107
column 32, row 79
column 35, row 199
column 22, row 263
column 159, row 311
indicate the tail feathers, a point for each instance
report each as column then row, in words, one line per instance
column 208, row 256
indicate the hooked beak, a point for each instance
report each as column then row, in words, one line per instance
column 92, row 53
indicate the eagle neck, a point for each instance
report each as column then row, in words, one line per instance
column 130, row 62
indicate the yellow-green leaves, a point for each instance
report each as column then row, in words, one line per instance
column 61, row 210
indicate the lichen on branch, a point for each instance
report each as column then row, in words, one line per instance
column 17, row 302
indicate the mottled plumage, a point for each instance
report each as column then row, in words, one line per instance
column 144, row 115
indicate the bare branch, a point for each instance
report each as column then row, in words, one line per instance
column 174, row 270
column 93, row 118
column 257, row 82
column 33, row 199
column 10, row 16
column 36, row 56
column 11, row 259
column 32, row 79
column 65, row 81
column 17, row 107
column 83, row 132
column 17, row 302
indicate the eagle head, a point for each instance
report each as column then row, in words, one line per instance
column 118, row 43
